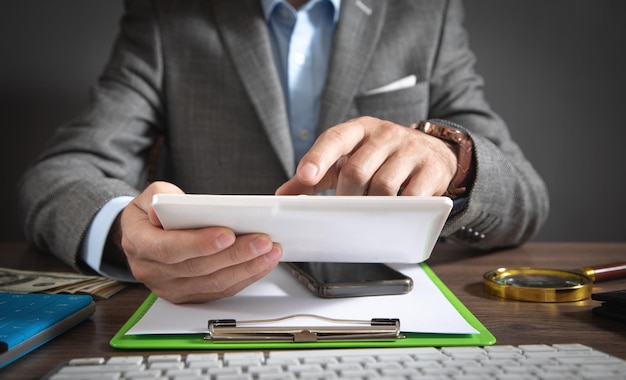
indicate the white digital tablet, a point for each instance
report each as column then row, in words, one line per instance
column 319, row 228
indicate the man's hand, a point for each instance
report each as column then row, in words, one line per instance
column 191, row 265
column 369, row 156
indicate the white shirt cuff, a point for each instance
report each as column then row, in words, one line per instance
column 95, row 239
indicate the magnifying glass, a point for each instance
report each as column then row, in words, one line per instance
column 549, row 285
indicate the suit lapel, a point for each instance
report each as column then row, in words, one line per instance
column 246, row 39
column 356, row 37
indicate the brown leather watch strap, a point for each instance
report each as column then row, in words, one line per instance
column 461, row 144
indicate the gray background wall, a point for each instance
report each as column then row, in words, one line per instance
column 554, row 70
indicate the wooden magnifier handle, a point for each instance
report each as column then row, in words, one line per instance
column 606, row 272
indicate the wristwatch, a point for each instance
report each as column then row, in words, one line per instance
column 461, row 144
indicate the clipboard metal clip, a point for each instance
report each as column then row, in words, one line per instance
column 230, row 330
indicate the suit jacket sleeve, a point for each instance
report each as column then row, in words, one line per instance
column 508, row 201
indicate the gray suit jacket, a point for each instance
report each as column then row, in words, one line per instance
column 201, row 74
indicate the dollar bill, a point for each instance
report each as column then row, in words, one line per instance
column 20, row 281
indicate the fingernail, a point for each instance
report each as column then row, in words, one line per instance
column 260, row 246
column 225, row 240
column 273, row 255
column 308, row 171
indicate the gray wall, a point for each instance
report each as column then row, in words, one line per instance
column 554, row 70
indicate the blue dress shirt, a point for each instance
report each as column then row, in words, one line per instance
column 302, row 42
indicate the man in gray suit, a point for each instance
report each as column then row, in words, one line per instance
column 273, row 97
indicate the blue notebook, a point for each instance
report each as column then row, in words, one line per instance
column 29, row 320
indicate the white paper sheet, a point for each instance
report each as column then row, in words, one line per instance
column 425, row 309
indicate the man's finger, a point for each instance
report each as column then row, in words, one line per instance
column 295, row 187
column 330, row 146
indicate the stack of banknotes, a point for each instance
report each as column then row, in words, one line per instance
column 19, row 281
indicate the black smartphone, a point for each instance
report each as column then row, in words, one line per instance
column 333, row 280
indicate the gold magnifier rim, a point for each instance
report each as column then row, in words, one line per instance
column 580, row 291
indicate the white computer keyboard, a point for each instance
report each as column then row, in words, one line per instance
column 562, row 361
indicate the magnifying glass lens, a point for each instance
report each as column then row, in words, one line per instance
column 537, row 281
column 537, row 285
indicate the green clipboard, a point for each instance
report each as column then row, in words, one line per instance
column 197, row 342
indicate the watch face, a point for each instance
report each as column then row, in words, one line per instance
column 442, row 131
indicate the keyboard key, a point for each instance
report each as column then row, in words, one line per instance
column 202, row 358
column 132, row 360
column 164, row 358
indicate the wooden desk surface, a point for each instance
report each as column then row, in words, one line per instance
column 511, row 322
